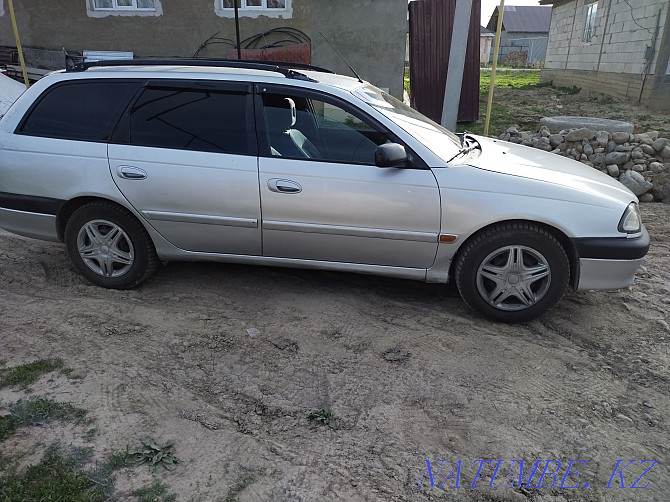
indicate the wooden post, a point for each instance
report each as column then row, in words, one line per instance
column 501, row 9
column 18, row 43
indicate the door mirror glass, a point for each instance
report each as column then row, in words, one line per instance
column 391, row 155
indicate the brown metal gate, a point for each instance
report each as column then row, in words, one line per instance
column 430, row 26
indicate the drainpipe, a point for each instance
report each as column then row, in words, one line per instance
column 237, row 30
column 650, row 56
column 18, row 43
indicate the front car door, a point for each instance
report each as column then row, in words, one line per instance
column 185, row 157
column 322, row 196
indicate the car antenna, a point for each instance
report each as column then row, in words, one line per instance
column 342, row 57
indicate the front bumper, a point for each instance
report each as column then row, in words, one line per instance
column 609, row 263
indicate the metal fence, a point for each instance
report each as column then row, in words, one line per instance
column 535, row 47
column 430, row 27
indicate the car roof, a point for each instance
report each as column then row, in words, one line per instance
column 343, row 82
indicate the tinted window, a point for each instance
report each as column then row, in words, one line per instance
column 303, row 128
column 84, row 110
column 186, row 119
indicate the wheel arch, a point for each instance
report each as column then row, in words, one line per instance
column 558, row 234
column 69, row 208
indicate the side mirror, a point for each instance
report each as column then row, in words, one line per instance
column 391, row 155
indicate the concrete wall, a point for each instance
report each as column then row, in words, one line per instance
column 614, row 61
column 371, row 34
column 619, row 85
column 485, row 43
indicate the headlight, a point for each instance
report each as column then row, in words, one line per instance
column 631, row 223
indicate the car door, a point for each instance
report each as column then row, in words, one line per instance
column 185, row 157
column 322, row 196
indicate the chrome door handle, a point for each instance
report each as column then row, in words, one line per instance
column 284, row 186
column 131, row 173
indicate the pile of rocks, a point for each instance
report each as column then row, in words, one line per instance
column 639, row 161
column 516, row 58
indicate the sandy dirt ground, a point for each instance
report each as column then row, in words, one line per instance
column 408, row 370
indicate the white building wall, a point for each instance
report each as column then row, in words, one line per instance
column 619, row 42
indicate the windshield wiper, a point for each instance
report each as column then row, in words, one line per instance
column 469, row 144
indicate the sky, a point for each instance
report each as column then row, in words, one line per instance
column 488, row 6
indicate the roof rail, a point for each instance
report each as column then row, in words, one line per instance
column 283, row 64
column 274, row 66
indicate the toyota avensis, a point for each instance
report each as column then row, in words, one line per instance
column 132, row 163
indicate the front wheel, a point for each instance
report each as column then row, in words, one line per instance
column 109, row 246
column 512, row 272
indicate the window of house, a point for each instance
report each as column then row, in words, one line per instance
column 104, row 8
column 124, row 4
column 255, row 4
column 254, row 8
column 590, row 11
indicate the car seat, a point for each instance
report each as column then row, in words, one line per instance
column 284, row 138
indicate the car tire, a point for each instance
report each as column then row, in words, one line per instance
column 109, row 246
column 512, row 272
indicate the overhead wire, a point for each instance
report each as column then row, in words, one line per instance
column 262, row 40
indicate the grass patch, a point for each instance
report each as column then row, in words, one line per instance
column 406, row 82
column 55, row 478
column 235, row 490
column 501, row 119
column 156, row 492
column 324, row 417
column 26, row 374
column 541, row 111
column 569, row 90
column 37, row 411
column 522, row 79
column 4, row 463
column 120, row 459
column 103, row 475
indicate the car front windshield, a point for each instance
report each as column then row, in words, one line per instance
column 439, row 140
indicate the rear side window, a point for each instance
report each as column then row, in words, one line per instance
column 194, row 119
column 83, row 110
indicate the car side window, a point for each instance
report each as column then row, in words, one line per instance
column 303, row 128
column 84, row 110
column 193, row 119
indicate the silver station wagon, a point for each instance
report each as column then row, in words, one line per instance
column 133, row 163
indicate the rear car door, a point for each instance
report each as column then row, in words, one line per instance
column 185, row 156
column 322, row 196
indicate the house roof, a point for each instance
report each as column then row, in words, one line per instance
column 485, row 32
column 523, row 18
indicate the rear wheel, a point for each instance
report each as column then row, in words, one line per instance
column 109, row 246
column 512, row 272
